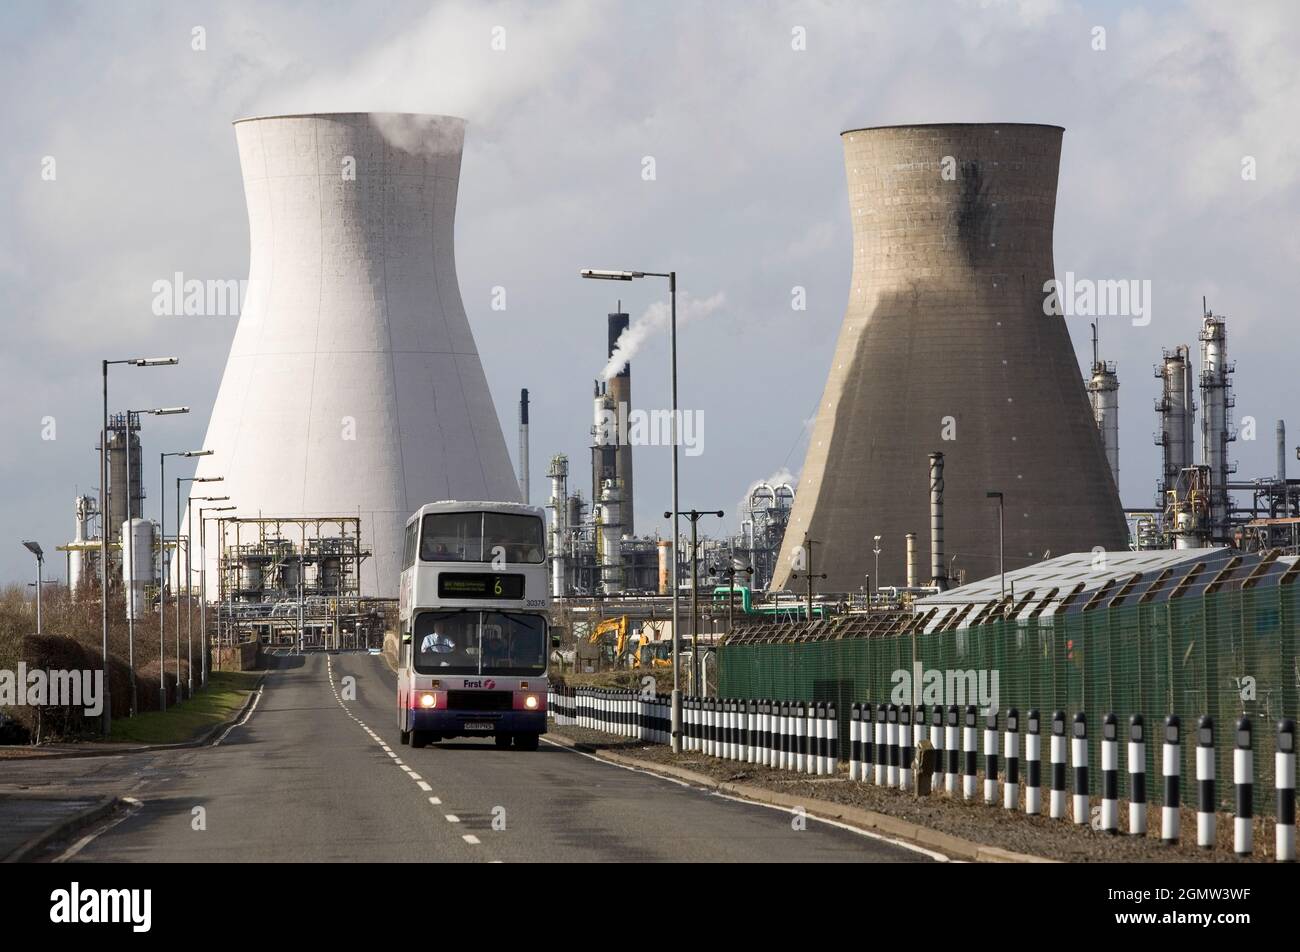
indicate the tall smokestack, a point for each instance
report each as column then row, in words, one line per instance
column 620, row 393
column 1281, row 451
column 523, row 444
column 911, row 560
column 938, row 575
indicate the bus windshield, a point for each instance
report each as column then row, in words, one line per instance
column 481, row 537
column 506, row 644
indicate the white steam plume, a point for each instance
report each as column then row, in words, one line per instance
column 653, row 321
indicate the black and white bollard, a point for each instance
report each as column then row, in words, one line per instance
column 868, row 733
column 1033, row 764
column 952, row 745
column 991, row 757
column 753, row 735
column 816, row 737
column 832, row 740
column 800, row 718
column 1243, row 779
column 919, row 721
column 882, row 749
column 1011, row 753
column 1137, row 776
column 1079, row 758
column 891, row 739
column 905, row 747
column 1171, row 762
column 1110, row 774
column 1205, row 816
column 1057, row 806
column 1284, row 782
column 855, row 741
column 970, row 752
column 936, row 741
column 739, row 709
column 783, row 735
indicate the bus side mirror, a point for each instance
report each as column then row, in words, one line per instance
column 406, row 639
column 555, row 641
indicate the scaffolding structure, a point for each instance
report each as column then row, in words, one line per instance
column 294, row 581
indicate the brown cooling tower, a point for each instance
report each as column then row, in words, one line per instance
column 945, row 347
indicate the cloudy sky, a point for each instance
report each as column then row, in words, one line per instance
column 748, row 199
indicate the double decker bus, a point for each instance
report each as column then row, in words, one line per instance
column 474, row 618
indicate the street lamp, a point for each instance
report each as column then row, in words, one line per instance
column 1002, row 571
column 600, row 275
column 189, row 613
column 203, row 586
column 130, row 543
column 695, row 515
column 162, row 580
column 876, row 549
column 103, row 516
column 35, row 549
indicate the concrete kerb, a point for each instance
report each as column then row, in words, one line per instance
column 949, row 845
column 202, row 741
column 66, row 827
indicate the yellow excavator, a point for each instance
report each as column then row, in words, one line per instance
column 644, row 655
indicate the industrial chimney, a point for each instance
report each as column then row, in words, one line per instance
column 353, row 385
column 938, row 574
column 911, row 560
column 950, row 334
column 523, row 445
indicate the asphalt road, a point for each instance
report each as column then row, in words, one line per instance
column 316, row 773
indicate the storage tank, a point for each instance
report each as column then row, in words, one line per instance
column 950, row 340
column 137, row 565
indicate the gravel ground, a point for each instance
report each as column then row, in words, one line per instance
column 971, row 820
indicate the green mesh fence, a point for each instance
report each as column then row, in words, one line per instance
column 1225, row 655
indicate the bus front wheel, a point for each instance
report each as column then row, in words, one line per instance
column 526, row 741
column 404, row 736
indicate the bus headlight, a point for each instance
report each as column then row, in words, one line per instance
column 428, row 700
column 530, row 702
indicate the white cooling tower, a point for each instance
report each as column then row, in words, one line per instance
column 353, row 385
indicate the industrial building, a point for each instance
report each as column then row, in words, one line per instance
column 946, row 346
column 594, row 547
column 353, row 384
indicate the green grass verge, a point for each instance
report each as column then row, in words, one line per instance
column 226, row 693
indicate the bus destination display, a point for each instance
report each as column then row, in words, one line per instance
column 485, row 585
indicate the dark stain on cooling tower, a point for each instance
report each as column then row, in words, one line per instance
column 974, row 212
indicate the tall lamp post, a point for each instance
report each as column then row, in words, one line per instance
column 1002, row 570
column 203, row 587
column 103, row 517
column 132, row 607
column 695, row 515
column 162, row 565
column 672, row 337
column 189, row 614
column 35, row 549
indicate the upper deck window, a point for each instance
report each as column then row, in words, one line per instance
column 482, row 537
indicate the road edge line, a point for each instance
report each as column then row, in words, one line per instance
column 953, row 846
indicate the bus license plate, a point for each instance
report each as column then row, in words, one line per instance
column 480, row 726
